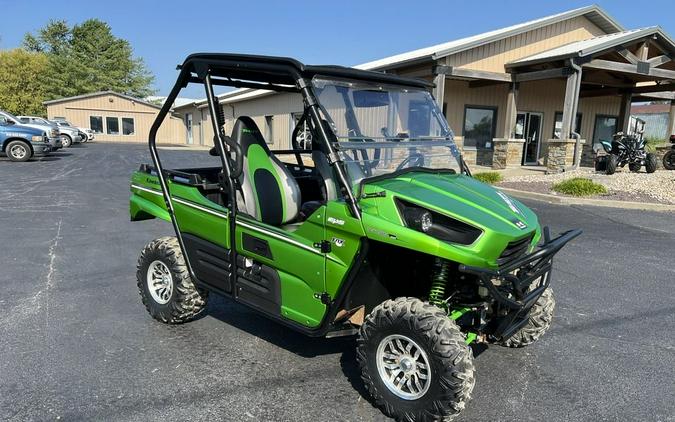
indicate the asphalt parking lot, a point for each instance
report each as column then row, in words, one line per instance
column 76, row 343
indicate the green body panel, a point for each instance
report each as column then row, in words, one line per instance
column 457, row 196
column 306, row 273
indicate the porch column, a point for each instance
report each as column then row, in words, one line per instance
column 439, row 89
column 671, row 120
column 624, row 111
column 511, row 111
column 571, row 98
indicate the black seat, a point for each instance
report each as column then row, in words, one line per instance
column 270, row 192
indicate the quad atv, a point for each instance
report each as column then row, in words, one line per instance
column 669, row 157
column 386, row 235
column 625, row 149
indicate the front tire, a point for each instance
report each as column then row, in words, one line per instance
column 67, row 141
column 539, row 321
column 414, row 361
column 612, row 163
column 669, row 160
column 165, row 285
column 651, row 162
column 18, row 151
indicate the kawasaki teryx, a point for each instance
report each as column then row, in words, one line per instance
column 377, row 229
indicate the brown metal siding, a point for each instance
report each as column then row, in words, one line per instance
column 493, row 56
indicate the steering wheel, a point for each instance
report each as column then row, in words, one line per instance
column 415, row 157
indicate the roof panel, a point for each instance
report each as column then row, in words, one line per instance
column 591, row 46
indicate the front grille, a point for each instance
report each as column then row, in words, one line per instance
column 515, row 249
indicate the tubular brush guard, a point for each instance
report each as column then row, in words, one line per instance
column 510, row 282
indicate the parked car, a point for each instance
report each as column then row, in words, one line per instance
column 88, row 132
column 55, row 140
column 21, row 142
column 75, row 135
column 52, row 131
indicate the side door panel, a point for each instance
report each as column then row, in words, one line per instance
column 300, row 266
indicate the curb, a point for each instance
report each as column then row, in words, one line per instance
column 568, row 200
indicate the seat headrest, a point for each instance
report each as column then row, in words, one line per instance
column 246, row 133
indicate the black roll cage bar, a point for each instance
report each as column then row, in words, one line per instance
column 256, row 72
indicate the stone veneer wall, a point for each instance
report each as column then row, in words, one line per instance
column 561, row 154
column 507, row 153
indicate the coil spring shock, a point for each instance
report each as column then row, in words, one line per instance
column 438, row 281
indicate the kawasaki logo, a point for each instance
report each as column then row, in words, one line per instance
column 249, row 131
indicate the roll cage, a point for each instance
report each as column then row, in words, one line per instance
column 280, row 74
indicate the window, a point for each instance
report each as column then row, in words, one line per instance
column 605, row 127
column 96, row 124
column 127, row 126
column 24, row 119
column 479, row 126
column 557, row 125
column 269, row 129
column 59, row 118
column 113, row 125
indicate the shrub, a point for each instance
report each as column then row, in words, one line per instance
column 579, row 186
column 652, row 143
column 489, row 177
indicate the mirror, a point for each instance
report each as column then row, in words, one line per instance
column 366, row 98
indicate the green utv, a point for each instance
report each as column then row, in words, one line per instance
column 375, row 227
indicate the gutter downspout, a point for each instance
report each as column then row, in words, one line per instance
column 575, row 135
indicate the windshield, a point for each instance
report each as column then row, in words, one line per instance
column 383, row 128
column 10, row 116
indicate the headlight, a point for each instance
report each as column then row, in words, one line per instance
column 437, row 225
column 418, row 219
column 37, row 138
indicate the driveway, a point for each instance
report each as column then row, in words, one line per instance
column 76, row 343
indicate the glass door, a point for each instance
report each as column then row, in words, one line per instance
column 188, row 127
column 528, row 127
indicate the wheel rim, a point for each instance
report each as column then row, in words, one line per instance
column 18, row 151
column 160, row 282
column 403, row 367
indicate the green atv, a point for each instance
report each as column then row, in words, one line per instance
column 375, row 227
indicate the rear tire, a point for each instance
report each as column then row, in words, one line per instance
column 539, row 321
column 414, row 345
column 165, row 285
column 669, row 160
column 612, row 162
column 18, row 151
column 651, row 163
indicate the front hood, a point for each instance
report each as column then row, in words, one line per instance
column 463, row 198
column 43, row 128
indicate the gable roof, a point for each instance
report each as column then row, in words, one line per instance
column 593, row 13
column 101, row 93
column 593, row 45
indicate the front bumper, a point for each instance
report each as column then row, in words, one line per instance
column 517, row 285
column 41, row 149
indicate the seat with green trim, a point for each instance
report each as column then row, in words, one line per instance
column 270, row 192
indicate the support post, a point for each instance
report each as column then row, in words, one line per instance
column 624, row 111
column 671, row 120
column 511, row 111
column 439, row 89
column 569, row 106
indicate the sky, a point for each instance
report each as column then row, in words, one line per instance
column 341, row 32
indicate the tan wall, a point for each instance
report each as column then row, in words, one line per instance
column 493, row 56
column 546, row 96
column 77, row 112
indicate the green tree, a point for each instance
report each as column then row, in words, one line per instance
column 88, row 58
column 22, row 87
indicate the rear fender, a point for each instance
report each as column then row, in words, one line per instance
column 142, row 208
